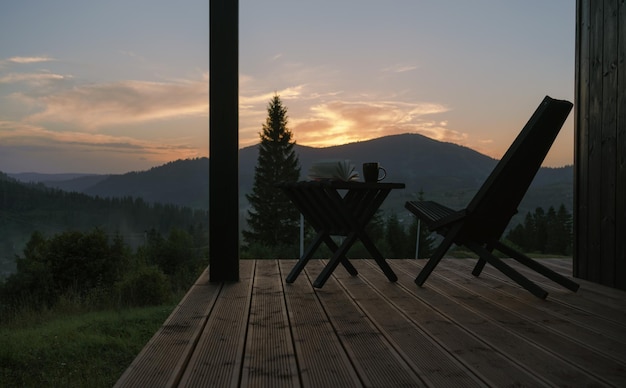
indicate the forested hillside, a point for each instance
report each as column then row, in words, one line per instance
column 176, row 193
column 25, row 208
column 445, row 172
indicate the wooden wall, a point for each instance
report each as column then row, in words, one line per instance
column 600, row 143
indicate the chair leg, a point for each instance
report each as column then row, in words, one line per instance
column 508, row 271
column 436, row 257
column 480, row 265
column 539, row 268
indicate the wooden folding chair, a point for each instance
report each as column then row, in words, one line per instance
column 481, row 224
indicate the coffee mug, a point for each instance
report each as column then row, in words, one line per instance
column 371, row 172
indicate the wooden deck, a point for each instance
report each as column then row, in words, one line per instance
column 457, row 330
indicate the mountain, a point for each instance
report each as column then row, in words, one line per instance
column 182, row 182
column 445, row 172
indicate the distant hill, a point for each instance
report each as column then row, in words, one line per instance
column 182, row 182
column 445, row 172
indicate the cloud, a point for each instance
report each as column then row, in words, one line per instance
column 94, row 106
column 34, row 78
column 292, row 92
column 15, row 135
column 339, row 122
column 23, row 60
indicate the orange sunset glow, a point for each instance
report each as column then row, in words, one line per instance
column 135, row 96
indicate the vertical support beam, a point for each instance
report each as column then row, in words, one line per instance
column 224, row 140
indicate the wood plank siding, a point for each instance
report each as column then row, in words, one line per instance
column 458, row 330
column 600, row 154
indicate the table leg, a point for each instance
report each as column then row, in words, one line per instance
column 344, row 260
column 338, row 257
column 302, row 262
column 378, row 257
column 295, row 271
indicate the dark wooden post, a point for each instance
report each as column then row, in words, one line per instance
column 224, row 140
column 600, row 143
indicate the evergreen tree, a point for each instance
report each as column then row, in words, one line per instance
column 523, row 234
column 541, row 230
column 560, row 231
column 397, row 239
column 272, row 219
column 544, row 232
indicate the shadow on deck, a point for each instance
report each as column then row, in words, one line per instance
column 457, row 330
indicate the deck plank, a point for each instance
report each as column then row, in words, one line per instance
column 591, row 298
column 521, row 341
column 555, row 310
column 586, row 350
column 322, row 360
column 218, row 357
column 487, row 348
column 457, row 330
column 375, row 359
column 396, row 314
column 164, row 358
column 269, row 359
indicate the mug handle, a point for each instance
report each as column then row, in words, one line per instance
column 384, row 173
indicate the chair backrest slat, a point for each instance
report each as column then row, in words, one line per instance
column 497, row 200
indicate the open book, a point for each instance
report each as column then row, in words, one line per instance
column 337, row 169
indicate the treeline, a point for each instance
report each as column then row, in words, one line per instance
column 92, row 270
column 544, row 232
column 28, row 207
column 389, row 233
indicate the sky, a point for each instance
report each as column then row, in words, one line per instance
column 122, row 85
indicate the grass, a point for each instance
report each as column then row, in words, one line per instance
column 89, row 349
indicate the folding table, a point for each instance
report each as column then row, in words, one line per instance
column 338, row 208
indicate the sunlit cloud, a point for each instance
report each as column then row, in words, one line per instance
column 34, row 78
column 23, row 60
column 15, row 134
column 339, row 122
column 94, row 106
column 246, row 101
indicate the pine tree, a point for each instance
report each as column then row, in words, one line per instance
column 272, row 219
column 561, row 233
column 544, row 232
column 541, row 230
column 397, row 239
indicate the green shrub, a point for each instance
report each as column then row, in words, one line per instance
column 147, row 285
